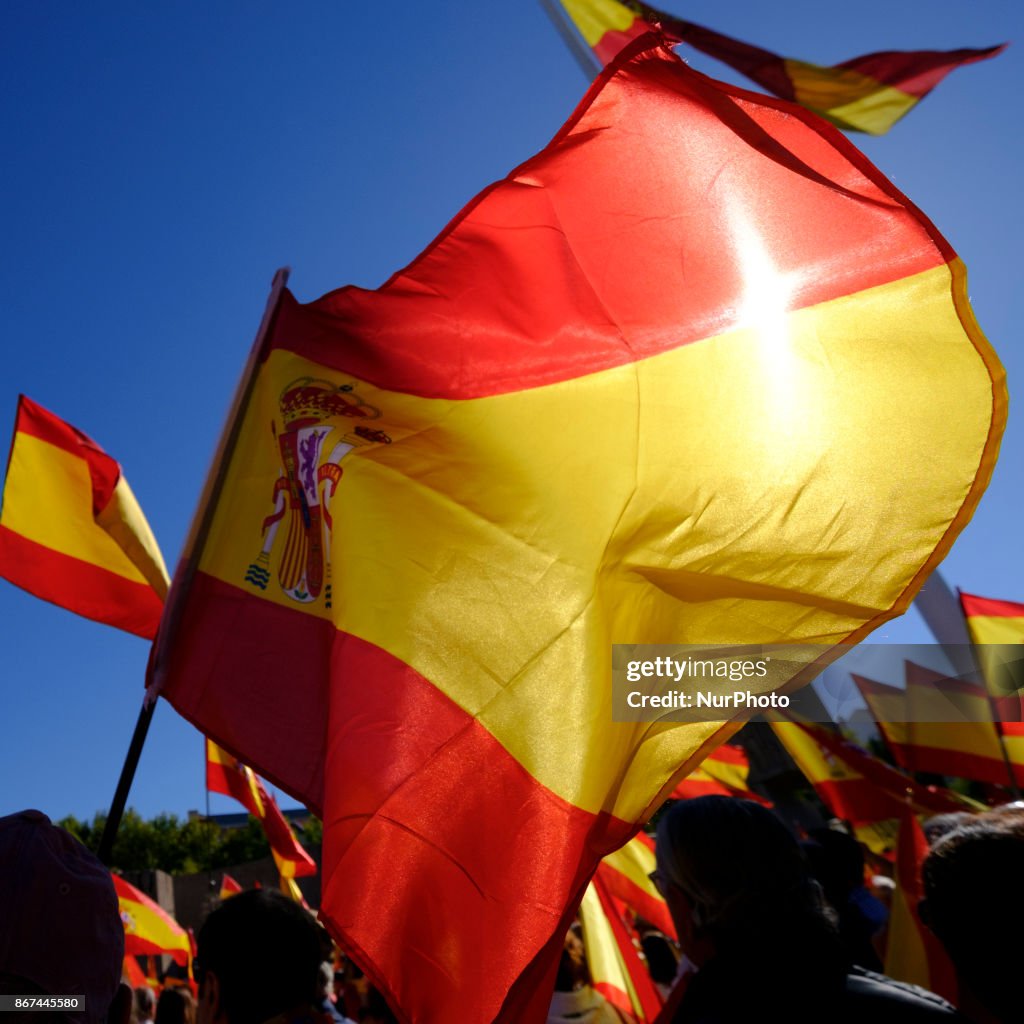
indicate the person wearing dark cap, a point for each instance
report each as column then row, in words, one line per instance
column 752, row 920
column 258, row 960
column 60, row 927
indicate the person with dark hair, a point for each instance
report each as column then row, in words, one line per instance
column 258, row 958
column 939, row 825
column 751, row 919
column 836, row 860
column 175, row 1006
column 145, row 1005
column 575, row 1000
column 974, row 903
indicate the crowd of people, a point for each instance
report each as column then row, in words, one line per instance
column 768, row 926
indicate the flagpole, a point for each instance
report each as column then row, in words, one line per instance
column 215, row 478
column 191, row 554
column 124, row 783
column 589, row 64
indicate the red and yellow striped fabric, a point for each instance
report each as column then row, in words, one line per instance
column 226, row 774
column 997, row 628
column 625, row 873
column 71, row 531
column 865, row 94
column 616, row 970
column 856, row 786
column 722, row 773
column 229, row 887
column 913, row 954
column 291, row 889
column 148, row 928
column 680, row 377
column 920, row 726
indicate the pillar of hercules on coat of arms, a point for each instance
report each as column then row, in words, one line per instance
column 318, row 430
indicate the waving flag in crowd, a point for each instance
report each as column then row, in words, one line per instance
column 913, row 953
column 226, row 774
column 229, row 887
column 626, row 875
column 937, row 724
column 391, row 569
column 856, row 786
column 864, row 94
column 148, row 928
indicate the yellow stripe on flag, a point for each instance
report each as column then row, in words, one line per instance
column 747, row 414
column 48, row 499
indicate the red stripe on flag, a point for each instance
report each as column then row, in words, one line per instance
column 254, row 674
column 576, row 311
column 916, row 72
column 104, row 471
column 989, row 606
column 962, row 763
column 79, row 586
column 404, row 755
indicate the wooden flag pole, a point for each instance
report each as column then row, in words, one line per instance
column 215, row 477
column 191, row 554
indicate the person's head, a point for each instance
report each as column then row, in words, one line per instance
column 573, row 972
column 324, row 981
column 939, row 825
column 145, row 1003
column 60, row 926
column 973, row 903
column 836, row 860
column 258, row 955
column 731, row 873
column 661, row 959
column 175, row 1006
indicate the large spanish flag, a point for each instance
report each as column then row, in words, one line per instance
column 148, row 928
column 864, row 94
column 71, row 531
column 696, row 372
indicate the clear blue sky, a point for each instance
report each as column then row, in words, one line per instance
column 161, row 160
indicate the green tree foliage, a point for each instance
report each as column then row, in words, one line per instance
column 182, row 847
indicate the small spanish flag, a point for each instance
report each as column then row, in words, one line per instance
column 148, row 928
column 997, row 629
column 226, row 774
column 863, row 94
column 229, row 887
column 938, row 724
column 71, row 531
column 854, row 785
